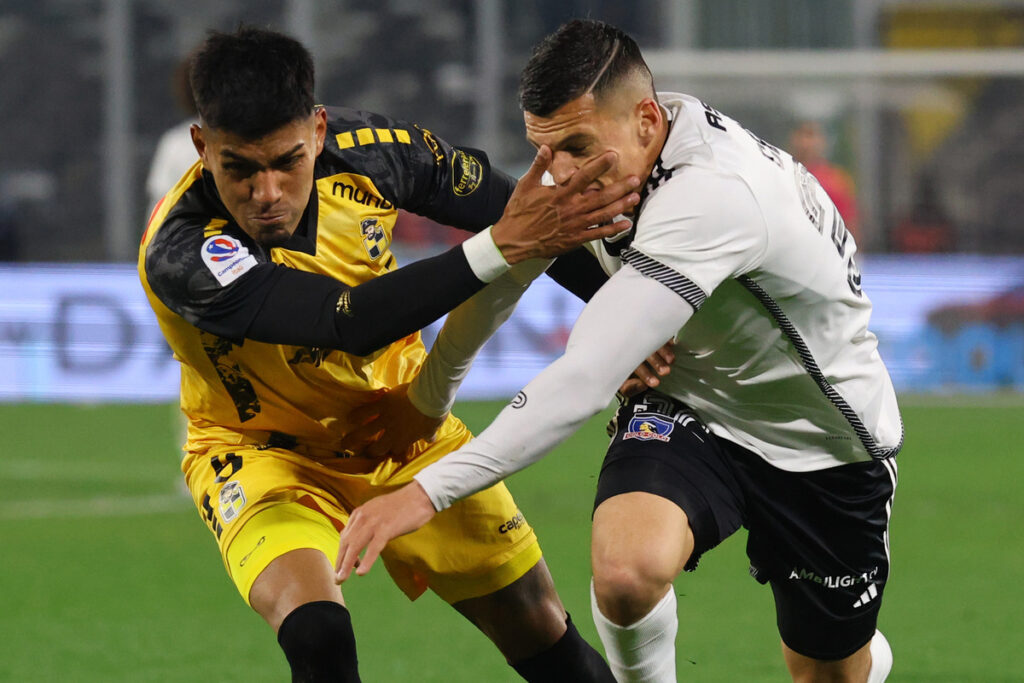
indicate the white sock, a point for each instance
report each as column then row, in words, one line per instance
column 645, row 650
column 881, row 658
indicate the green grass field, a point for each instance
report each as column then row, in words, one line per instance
column 107, row 573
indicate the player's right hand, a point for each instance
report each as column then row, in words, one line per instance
column 544, row 221
column 376, row 522
column 389, row 426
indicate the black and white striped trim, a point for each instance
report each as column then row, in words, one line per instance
column 659, row 272
column 890, row 467
column 811, row 366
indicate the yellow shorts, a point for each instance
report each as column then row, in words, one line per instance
column 262, row 502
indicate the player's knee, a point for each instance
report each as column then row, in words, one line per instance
column 318, row 640
column 626, row 591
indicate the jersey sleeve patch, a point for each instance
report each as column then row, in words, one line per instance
column 227, row 258
column 659, row 272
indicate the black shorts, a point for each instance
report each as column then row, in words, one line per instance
column 820, row 539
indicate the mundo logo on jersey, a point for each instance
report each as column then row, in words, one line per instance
column 221, row 249
column 648, row 428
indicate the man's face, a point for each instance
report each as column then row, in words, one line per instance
column 583, row 129
column 264, row 183
column 807, row 142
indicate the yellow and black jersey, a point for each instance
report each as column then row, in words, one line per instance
column 212, row 285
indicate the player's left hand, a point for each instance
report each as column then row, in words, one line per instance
column 374, row 523
column 389, row 426
column 648, row 375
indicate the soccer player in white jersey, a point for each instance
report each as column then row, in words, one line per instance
column 778, row 413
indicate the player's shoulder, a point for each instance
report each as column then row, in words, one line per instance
column 703, row 138
column 394, row 154
column 196, row 241
column 184, row 215
column 356, row 136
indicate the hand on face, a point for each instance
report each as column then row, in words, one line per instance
column 544, row 221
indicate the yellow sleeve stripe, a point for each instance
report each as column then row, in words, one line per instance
column 365, row 136
column 368, row 136
column 345, row 140
column 214, row 227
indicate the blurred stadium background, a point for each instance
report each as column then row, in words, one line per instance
column 913, row 110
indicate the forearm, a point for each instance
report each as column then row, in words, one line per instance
column 625, row 322
column 309, row 310
column 578, row 272
column 465, row 332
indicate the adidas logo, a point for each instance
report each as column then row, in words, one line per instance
column 867, row 596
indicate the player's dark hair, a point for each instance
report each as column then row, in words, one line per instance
column 582, row 56
column 252, row 81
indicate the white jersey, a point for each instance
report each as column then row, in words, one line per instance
column 738, row 252
column 778, row 357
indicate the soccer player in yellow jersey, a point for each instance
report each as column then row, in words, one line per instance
column 269, row 269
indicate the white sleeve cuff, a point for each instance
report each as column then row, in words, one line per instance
column 484, row 257
column 437, row 402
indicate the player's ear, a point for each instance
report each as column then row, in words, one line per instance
column 320, row 115
column 198, row 141
column 648, row 120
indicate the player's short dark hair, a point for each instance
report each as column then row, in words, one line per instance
column 252, row 81
column 581, row 56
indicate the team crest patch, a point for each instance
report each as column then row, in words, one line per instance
column 227, row 258
column 648, row 428
column 232, row 500
column 375, row 239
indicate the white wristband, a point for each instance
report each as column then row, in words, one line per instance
column 484, row 257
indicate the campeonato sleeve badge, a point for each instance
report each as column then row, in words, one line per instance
column 227, row 258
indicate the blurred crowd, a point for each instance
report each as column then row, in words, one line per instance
column 417, row 61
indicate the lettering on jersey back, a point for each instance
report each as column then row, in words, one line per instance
column 770, row 151
column 809, row 190
column 713, row 116
column 805, row 185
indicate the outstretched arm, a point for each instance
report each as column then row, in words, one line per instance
column 625, row 322
column 464, row 333
column 539, row 221
column 280, row 305
column 414, row 411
